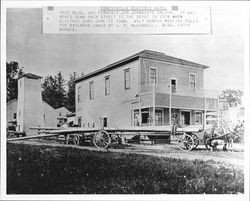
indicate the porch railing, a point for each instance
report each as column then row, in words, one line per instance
column 180, row 90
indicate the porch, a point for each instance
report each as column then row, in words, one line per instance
column 159, row 116
column 156, row 109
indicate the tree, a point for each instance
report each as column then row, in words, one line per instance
column 53, row 90
column 70, row 103
column 55, row 94
column 48, row 90
column 233, row 97
column 13, row 72
column 61, row 92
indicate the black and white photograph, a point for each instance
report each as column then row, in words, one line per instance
column 124, row 100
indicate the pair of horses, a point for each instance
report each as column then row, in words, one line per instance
column 215, row 136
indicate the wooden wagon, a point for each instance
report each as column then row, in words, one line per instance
column 110, row 137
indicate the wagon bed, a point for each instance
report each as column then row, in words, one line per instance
column 103, row 137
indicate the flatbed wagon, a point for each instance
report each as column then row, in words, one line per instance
column 108, row 137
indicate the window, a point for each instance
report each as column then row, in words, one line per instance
column 126, row 79
column 144, row 119
column 91, row 90
column 153, row 75
column 198, row 118
column 105, row 122
column 136, row 118
column 192, row 81
column 79, row 95
column 44, row 118
column 79, row 121
column 173, row 85
column 14, row 115
column 107, row 85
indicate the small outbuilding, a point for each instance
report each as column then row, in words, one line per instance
column 29, row 110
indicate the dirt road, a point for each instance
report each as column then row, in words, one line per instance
column 234, row 158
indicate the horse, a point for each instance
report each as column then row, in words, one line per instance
column 215, row 136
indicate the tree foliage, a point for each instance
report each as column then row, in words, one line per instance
column 233, row 97
column 13, row 72
column 59, row 92
column 70, row 103
column 56, row 90
column 53, row 90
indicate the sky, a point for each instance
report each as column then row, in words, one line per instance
column 47, row 54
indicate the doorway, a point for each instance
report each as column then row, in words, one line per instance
column 185, row 117
column 158, row 117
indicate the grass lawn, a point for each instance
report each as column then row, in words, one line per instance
column 35, row 169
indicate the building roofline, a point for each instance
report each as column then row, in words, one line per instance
column 48, row 105
column 11, row 101
column 147, row 54
column 71, row 114
column 107, row 68
column 61, row 108
column 30, row 76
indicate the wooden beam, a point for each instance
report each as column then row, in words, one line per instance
column 31, row 137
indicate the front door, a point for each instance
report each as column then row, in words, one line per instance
column 144, row 118
column 158, row 117
column 185, row 118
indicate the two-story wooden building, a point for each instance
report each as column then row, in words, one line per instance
column 147, row 88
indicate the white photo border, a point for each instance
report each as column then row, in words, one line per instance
column 39, row 4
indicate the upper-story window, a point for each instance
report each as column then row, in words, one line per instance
column 192, row 81
column 107, row 85
column 91, row 90
column 153, row 75
column 127, row 79
column 173, row 85
column 79, row 94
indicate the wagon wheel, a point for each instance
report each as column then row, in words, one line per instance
column 185, row 142
column 196, row 140
column 101, row 139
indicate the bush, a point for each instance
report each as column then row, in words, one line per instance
column 58, row 170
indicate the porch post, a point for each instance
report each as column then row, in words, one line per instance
column 218, row 120
column 139, row 91
column 170, row 104
column 154, row 102
column 205, row 112
column 139, row 105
